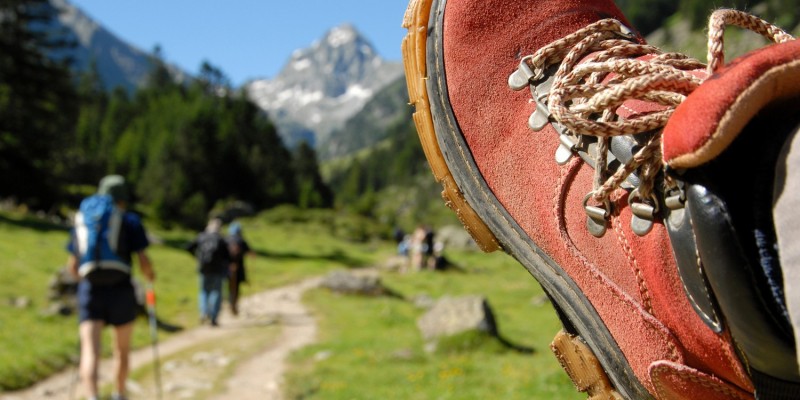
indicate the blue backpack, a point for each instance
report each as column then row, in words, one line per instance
column 98, row 225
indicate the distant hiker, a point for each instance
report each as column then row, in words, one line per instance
column 213, row 264
column 439, row 261
column 101, row 246
column 417, row 248
column 404, row 245
column 238, row 249
column 429, row 260
column 398, row 235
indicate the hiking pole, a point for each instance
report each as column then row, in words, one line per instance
column 151, row 311
column 75, row 376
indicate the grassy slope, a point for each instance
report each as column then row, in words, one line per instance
column 32, row 250
column 372, row 349
column 375, row 348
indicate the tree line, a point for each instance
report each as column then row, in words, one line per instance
column 396, row 162
column 190, row 147
column 649, row 15
column 373, row 182
column 186, row 148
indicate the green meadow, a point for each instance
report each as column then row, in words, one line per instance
column 366, row 348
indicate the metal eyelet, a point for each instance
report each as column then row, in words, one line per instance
column 625, row 32
column 524, row 75
column 644, row 212
column 597, row 217
column 566, row 149
column 676, row 198
column 539, row 118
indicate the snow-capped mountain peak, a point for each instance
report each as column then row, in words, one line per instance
column 322, row 85
column 341, row 35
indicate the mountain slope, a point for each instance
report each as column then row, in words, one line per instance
column 119, row 63
column 323, row 85
column 370, row 125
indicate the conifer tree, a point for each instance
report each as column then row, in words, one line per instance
column 312, row 190
column 37, row 102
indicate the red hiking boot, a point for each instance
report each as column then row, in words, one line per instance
column 565, row 173
column 727, row 143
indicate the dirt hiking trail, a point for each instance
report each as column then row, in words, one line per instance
column 242, row 359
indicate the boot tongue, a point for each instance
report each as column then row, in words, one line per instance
column 711, row 118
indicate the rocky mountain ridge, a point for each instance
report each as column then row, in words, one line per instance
column 119, row 63
column 323, row 85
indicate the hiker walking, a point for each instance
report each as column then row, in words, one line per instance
column 102, row 244
column 213, row 264
column 238, row 248
column 422, row 248
column 428, row 246
column 417, row 249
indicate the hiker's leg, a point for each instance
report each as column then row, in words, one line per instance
column 233, row 292
column 214, row 296
column 203, row 298
column 416, row 258
column 122, row 346
column 90, row 354
column 787, row 226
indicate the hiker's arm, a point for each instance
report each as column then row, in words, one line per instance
column 248, row 251
column 146, row 266
column 72, row 265
column 191, row 246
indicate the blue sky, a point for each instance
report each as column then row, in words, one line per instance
column 246, row 39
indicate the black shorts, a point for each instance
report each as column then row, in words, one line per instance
column 114, row 305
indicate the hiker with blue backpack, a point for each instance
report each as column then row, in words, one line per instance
column 103, row 243
column 213, row 264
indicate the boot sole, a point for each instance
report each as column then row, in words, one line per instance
column 466, row 193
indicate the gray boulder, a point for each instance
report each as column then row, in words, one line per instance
column 352, row 283
column 62, row 289
column 454, row 315
column 455, row 237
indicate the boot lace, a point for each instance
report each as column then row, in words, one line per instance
column 603, row 66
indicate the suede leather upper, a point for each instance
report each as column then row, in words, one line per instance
column 632, row 281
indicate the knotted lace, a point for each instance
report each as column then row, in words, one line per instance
column 603, row 65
